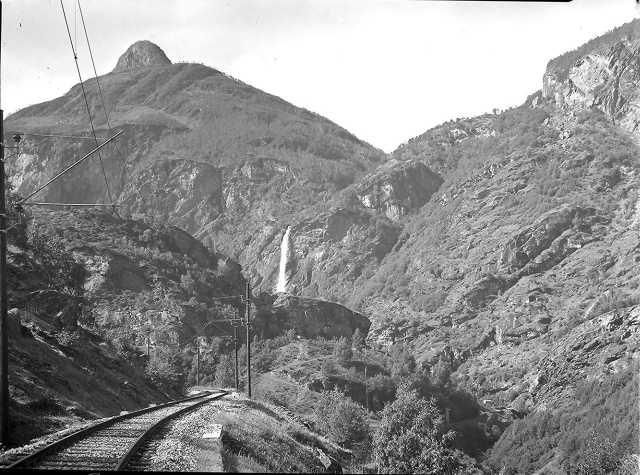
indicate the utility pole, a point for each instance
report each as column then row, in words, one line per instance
column 235, row 348
column 4, row 341
column 248, row 314
column 197, row 361
column 366, row 383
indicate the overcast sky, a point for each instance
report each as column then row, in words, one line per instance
column 385, row 70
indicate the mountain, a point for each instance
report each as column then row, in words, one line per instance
column 499, row 250
column 200, row 149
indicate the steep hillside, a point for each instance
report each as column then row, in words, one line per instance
column 520, row 272
column 200, row 150
column 89, row 294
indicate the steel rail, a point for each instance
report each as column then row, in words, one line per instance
column 31, row 460
column 137, row 445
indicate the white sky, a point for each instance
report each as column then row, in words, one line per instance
column 385, row 70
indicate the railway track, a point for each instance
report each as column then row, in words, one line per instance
column 119, row 443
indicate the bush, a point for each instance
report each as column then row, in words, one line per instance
column 357, row 340
column 598, row 456
column 412, row 438
column 402, row 362
column 57, row 264
column 164, row 369
column 225, row 376
column 342, row 350
column 342, row 419
column 327, row 371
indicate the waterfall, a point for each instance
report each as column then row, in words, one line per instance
column 284, row 258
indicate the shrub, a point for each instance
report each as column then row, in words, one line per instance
column 327, row 371
column 598, row 456
column 412, row 438
column 402, row 362
column 57, row 264
column 357, row 340
column 225, row 376
column 342, row 350
column 164, row 369
column 341, row 419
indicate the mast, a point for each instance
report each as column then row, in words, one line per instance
column 4, row 341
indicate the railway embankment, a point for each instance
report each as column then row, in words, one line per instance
column 217, row 434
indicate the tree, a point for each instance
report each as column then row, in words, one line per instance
column 599, row 455
column 341, row 419
column 163, row 368
column 57, row 264
column 357, row 340
column 441, row 372
column 413, row 438
column 327, row 371
column 188, row 283
column 342, row 350
column 382, row 389
column 225, row 372
column 402, row 362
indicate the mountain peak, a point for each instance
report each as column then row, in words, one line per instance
column 141, row 54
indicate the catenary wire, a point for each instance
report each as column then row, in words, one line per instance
column 84, row 93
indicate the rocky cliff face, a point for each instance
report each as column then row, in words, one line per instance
column 609, row 81
column 604, row 74
column 397, row 188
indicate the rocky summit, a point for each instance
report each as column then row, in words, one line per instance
column 498, row 253
column 142, row 54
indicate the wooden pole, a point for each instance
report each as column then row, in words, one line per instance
column 235, row 347
column 197, row 361
column 4, row 341
column 248, row 315
column 366, row 383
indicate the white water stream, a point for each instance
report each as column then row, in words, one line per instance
column 284, row 256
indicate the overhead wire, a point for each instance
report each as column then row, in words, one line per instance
column 95, row 72
column 86, row 101
column 75, row 137
column 70, row 167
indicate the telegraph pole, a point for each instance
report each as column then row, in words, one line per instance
column 366, row 383
column 197, row 361
column 235, row 348
column 4, row 342
column 248, row 313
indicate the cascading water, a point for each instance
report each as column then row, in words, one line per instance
column 284, row 257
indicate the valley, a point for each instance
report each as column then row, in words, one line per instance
column 482, row 277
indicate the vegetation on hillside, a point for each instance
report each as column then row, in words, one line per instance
column 322, row 384
column 561, row 65
column 597, row 436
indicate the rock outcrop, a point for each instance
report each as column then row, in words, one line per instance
column 141, row 54
column 309, row 318
column 396, row 188
column 608, row 80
